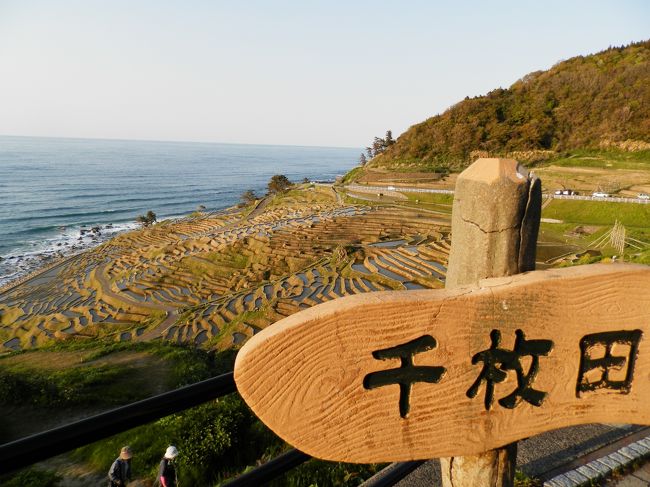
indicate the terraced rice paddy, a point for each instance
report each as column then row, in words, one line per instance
column 215, row 280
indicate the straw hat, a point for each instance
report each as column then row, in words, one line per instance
column 125, row 453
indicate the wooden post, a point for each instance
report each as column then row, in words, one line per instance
column 495, row 221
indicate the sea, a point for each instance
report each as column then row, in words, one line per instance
column 60, row 196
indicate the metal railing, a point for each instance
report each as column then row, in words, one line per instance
column 31, row 449
column 404, row 189
column 26, row 451
column 358, row 187
column 606, row 199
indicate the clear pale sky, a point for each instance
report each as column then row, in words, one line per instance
column 330, row 73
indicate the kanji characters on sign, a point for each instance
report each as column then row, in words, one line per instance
column 605, row 365
column 407, row 373
column 498, row 361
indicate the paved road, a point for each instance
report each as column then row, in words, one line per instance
column 357, row 187
column 261, row 205
column 540, row 456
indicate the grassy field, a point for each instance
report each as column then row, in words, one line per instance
column 351, row 200
column 100, row 373
column 611, row 159
column 304, row 195
column 585, row 226
column 599, row 212
column 431, row 198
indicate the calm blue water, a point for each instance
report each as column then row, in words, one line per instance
column 50, row 188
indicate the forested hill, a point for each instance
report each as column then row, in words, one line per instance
column 596, row 101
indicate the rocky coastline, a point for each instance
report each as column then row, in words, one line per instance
column 18, row 266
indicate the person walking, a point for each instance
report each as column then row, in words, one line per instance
column 120, row 472
column 167, row 471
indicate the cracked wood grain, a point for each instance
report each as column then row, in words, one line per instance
column 304, row 375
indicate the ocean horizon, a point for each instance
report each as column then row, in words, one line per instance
column 53, row 191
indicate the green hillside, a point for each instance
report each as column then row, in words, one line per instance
column 600, row 101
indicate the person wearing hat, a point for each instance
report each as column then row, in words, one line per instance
column 120, row 472
column 167, row 471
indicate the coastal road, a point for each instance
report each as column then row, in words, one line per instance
column 259, row 208
column 47, row 272
column 406, row 189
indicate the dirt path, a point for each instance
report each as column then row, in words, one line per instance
column 259, row 208
column 156, row 332
column 74, row 474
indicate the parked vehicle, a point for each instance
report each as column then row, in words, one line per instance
column 566, row 192
column 390, row 188
column 599, row 194
column 644, row 196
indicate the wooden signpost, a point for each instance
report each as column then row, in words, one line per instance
column 409, row 375
column 396, row 376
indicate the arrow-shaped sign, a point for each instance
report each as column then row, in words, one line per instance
column 396, row 376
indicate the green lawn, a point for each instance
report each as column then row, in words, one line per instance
column 601, row 215
column 599, row 212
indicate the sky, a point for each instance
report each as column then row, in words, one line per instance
column 324, row 73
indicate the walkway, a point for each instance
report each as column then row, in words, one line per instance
column 562, row 458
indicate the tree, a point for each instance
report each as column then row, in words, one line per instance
column 378, row 146
column 388, row 141
column 362, row 159
column 248, row 197
column 146, row 220
column 278, row 184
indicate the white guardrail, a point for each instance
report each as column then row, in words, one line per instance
column 610, row 199
column 353, row 187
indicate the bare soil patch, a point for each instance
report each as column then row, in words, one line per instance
column 586, row 180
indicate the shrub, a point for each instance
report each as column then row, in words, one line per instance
column 215, row 440
column 278, row 184
column 248, row 197
column 146, row 220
